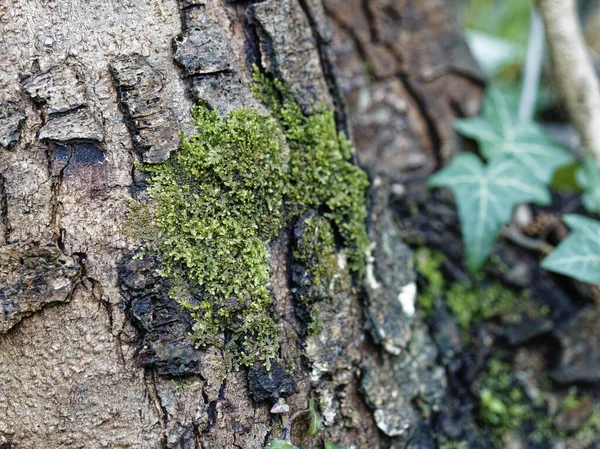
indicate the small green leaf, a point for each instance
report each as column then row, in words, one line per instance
column 565, row 179
column 486, row 197
column 280, row 444
column 500, row 133
column 588, row 178
column 578, row 256
column 330, row 445
column 315, row 422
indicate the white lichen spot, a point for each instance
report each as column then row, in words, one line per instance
column 381, row 419
column 342, row 260
column 370, row 268
column 407, row 297
column 327, row 408
column 60, row 283
column 391, row 347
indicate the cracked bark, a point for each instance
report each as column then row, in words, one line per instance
column 91, row 89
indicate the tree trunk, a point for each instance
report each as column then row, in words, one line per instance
column 92, row 351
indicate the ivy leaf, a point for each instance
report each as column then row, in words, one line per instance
column 500, row 133
column 486, row 197
column 588, row 178
column 315, row 423
column 280, row 444
column 578, row 256
column 330, row 445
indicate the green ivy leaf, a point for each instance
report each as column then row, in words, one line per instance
column 588, row 178
column 280, row 444
column 315, row 422
column 578, row 256
column 330, row 445
column 500, row 133
column 486, row 197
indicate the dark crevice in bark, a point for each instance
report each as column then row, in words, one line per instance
column 55, row 204
column 370, row 20
column 430, row 121
column 161, row 413
column 252, row 46
column 341, row 117
column 350, row 32
column 4, row 210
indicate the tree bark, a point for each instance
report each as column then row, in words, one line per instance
column 92, row 352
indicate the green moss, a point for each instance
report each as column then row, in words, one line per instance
column 590, row 429
column 316, row 250
column 470, row 302
column 429, row 263
column 571, row 401
column 321, row 173
column 474, row 302
column 503, row 404
column 217, row 203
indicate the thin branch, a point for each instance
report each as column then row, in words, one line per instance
column 574, row 70
column 511, row 233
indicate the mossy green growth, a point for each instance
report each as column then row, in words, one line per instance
column 503, row 404
column 217, row 203
column 429, row 263
column 321, row 172
column 470, row 302
column 474, row 302
column 316, row 249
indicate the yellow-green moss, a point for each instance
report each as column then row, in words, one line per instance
column 475, row 302
column 321, row 173
column 217, row 202
column 503, row 404
column 317, row 251
column 470, row 302
column 429, row 263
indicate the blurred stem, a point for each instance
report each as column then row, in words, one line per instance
column 533, row 67
column 574, row 71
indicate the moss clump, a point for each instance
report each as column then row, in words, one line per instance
column 474, row 302
column 316, row 250
column 321, row 173
column 503, row 405
column 470, row 302
column 429, row 264
column 217, row 203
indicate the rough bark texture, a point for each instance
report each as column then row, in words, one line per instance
column 88, row 89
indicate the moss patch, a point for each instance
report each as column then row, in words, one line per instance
column 316, row 250
column 475, row 302
column 217, row 203
column 429, row 263
column 321, row 174
column 470, row 301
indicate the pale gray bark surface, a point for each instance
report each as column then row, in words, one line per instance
column 90, row 87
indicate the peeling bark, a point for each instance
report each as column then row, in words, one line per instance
column 91, row 89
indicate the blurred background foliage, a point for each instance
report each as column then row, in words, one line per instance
column 497, row 32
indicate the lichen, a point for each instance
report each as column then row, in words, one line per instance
column 216, row 204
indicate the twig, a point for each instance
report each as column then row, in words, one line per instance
column 574, row 70
column 511, row 233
